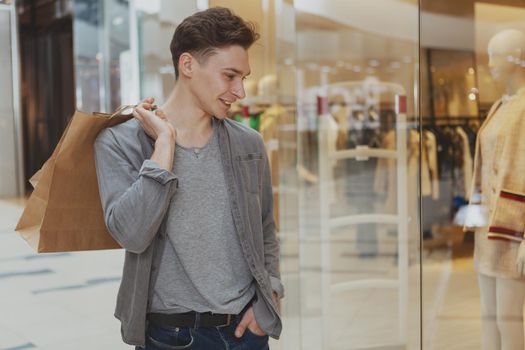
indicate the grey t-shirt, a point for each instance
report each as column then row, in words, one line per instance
column 202, row 266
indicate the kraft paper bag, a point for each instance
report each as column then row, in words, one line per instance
column 64, row 212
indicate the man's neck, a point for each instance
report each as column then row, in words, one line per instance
column 193, row 125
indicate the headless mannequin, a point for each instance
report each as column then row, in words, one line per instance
column 502, row 297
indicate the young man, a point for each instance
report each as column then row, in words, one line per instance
column 187, row 193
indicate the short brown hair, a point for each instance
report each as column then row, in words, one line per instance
column 203, row 32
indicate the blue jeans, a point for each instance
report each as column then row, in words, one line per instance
column 203, row 338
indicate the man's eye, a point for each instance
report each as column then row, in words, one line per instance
column 230, row 77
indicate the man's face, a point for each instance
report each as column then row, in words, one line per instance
column 218, row 81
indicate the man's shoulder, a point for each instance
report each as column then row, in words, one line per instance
column 242, row 134
column 129, row 130
column 127, row 138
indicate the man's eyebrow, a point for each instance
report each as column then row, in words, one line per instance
column 236, row 71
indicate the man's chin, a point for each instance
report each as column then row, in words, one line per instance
column 221, row 115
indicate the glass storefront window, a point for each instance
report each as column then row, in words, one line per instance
column 472, row 78
column 357, row 161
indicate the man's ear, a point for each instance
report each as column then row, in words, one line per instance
column 187, row 64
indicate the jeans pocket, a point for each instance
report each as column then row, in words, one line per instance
column 169, row 339
column 250, row 333
column 254, row 341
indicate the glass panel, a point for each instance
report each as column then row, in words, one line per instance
column 473, row 55
column 102, row 54
column 358, row 158
column 156, row 22
column 287, row 181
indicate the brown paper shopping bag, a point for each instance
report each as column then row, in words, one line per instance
column 64, row 212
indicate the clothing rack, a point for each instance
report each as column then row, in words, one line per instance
column 448, row 120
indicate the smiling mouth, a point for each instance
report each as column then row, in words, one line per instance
column 226, row 103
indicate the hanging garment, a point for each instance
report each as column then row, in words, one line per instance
column 386, row 178
column 329, row 129
column 413, row 165
column 431, row 148
column 340, row 114
column 269, row 122
column 467, row 160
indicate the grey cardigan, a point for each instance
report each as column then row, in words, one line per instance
column 136, row 194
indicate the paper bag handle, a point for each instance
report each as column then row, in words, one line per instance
column 122, row 108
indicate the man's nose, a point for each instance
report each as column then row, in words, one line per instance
column 238, row 90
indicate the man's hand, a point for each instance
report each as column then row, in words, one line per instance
column 520, row 260
column 248, row 321
column 155, row 124
column 275, row 298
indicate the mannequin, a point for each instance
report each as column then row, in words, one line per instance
column 267, row 85
column 499, row 254
column 250, row 88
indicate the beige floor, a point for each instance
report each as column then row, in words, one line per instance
column 451, row 303
column 65, row 301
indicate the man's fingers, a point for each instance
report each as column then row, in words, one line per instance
column 137, row 115
column 147, row 103
column 241, row 328
column 160, row 113
column 142, row 111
